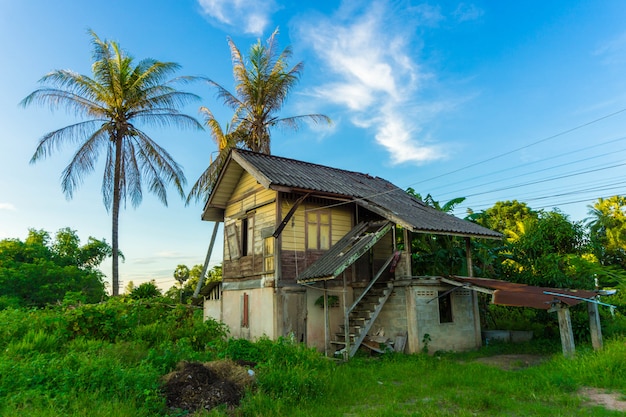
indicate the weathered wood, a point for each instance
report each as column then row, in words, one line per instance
column 468, row 257
column 594, row 326
column 291, row 212
column 565, row 328
column 326, row 322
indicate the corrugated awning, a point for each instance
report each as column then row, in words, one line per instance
column 345, row 252
column 521, row 295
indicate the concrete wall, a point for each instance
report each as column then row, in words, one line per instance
column 392, row 319
column 213, row 304
column 260, row 312
column 458, row 335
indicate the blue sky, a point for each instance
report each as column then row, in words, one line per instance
column 490, row 100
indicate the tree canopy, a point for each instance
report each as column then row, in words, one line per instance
column 42, row 270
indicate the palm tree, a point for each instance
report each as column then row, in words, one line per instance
column 225, row 141
column 117, row 96
column 262, row 84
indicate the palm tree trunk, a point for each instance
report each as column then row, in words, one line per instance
column 116, row 214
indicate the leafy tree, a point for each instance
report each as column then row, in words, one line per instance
column 42, row 271
column 188, row 288
column 145, row 290
column 549, row 252
column 263, row 80
column 119, row 96
column 181, row 274
column 607, row 230
column 437, row 254
column 504, row 216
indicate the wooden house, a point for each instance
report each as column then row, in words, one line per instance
column 311, row 252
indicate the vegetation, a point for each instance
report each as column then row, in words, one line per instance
column 42, row 270
column 542, row 248
column 109, row 359
column 119, row 96
column 263, row 80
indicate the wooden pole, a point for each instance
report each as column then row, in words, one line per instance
column 468, row 257
column 206, row 261
column 346, row 320
column 326, row 321
column 478, row 339
column 594, row 326
column 565, row 328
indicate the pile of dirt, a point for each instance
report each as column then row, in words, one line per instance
column 193, row 385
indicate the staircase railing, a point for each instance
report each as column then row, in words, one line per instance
column 359, row 339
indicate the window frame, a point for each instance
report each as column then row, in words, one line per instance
column 444, row 303
column 317, row 226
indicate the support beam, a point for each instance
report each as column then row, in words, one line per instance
column 468, row 257
column 291, row 212
column 594, row 326
column 206, row 261
column 565, row 328
column 326, row 321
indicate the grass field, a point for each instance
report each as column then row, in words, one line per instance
column 109, row 360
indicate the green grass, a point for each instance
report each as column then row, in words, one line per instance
column 108, row 360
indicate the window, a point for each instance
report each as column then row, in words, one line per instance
column 318, row 229
column 445, row 307
column 232, row 240
column 240, row 237
column 247, row 235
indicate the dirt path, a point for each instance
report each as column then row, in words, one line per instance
column 593, row 396
column 607, row 399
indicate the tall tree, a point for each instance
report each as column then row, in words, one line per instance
column 263, row 80
column 607, row 230
column 119, row 95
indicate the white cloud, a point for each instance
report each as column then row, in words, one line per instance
column 466, row 12
column 612, row 51
column 253, row 16
column 372, row 72
column 7, row 206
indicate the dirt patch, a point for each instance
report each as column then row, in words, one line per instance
column 193, row 385
column 606, row 399
column 512, row 362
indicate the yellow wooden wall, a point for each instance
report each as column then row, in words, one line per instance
column 293, row 236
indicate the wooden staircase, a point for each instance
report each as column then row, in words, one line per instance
column 361, row 318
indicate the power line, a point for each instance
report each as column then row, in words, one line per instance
column 587, row 159
column 523, row 147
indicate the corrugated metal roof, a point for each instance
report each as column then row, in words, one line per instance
column 521, row 295
column 345, row 252
column 374, row 193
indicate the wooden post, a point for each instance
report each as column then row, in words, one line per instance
column 594, row 326
column 407, row 249
column 326, row 321
column 565, row 328
column 468, row 257
column 478, row 341
column 346, row 320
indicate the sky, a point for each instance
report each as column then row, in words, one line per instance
column 488, row 100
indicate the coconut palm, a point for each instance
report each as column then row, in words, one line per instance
column 262, row 84
column 119, row 95
column 225, row 140
column 261, row 88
